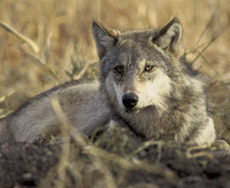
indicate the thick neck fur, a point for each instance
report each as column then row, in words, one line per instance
column 183, row 112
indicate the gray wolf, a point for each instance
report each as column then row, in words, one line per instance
column 144, row 84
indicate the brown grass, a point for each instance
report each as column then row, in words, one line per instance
column 62, row 48
column 62, row 32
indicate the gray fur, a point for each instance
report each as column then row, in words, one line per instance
column 172, row 101
column 37, row 116
column 174, row 109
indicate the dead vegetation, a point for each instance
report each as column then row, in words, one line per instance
column 114, row 158
column 45, row 43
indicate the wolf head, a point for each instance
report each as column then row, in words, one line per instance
column 137, row 67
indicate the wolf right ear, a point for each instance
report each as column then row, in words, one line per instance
column 105, row 38
column 169, row 37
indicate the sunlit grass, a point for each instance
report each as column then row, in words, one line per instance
column 47, row 42
column 52, row 43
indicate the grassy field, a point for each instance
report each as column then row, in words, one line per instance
column 61, row 31
column 51, row 42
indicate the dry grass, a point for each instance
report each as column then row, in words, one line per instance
column 59, row 33
column 51, row 42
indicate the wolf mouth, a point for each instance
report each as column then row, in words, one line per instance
column 132, row 110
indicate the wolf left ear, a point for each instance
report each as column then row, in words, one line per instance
column 105, row 38
column 169, row 37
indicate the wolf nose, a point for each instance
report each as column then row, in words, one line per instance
column 130, row 100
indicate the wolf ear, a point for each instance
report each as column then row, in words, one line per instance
column 169, row 37
column 105, row 38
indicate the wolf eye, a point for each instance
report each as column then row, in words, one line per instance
column 119, row 69
column 148, row 68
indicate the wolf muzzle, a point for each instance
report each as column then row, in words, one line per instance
column 129, row 100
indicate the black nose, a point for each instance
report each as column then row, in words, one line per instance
column 130, row 100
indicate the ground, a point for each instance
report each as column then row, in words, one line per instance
column 114, row 157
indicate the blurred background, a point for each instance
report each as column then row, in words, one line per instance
column 62, row 32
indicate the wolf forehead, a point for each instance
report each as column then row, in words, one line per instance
column 139, row 42
column 142, row 35
column 133, row 48
column 136, row 42
column 161, row 45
